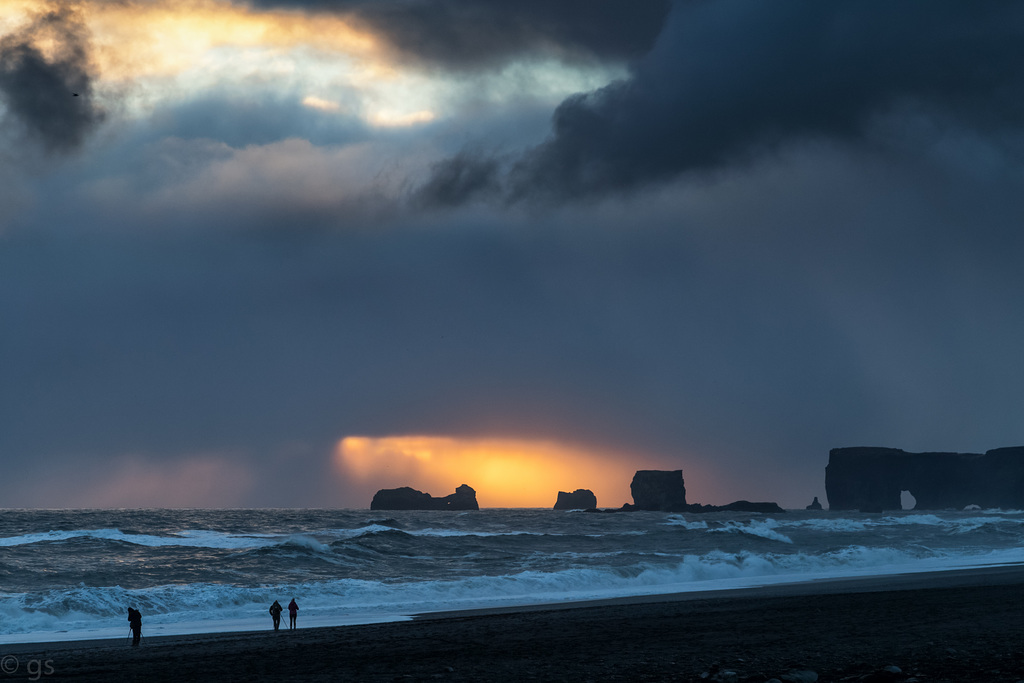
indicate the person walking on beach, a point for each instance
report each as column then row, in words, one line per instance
column 293, row 612
column 275, row 614
column 135, row 625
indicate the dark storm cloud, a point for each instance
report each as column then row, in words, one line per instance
column 460, row 179
column 470, row 34
column 170, row 349
column 730, row 80
column 745, row 342
column 39, row 90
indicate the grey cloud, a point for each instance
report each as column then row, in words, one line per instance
column 39, row 93
column 239, row 120
column 470, row 34
column 742, row 339
column 731, row 80
column 460, row 179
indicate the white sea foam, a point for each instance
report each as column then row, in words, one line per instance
column 762, row 529
column 344, row 566
column 838, row 525
column 953, row 524
column 459, row 532
column 191, row 538
column 188, row 538
column 678, row 520
column 57, row 614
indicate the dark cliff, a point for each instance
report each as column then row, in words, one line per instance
column 872, row 479
column 406, row 498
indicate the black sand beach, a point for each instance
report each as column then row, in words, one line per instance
column 950, row 626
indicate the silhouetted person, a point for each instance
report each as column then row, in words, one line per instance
column 293, row 612
column 135, row 624
column 275, row 614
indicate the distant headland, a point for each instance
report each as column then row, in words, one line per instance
column 872, row 479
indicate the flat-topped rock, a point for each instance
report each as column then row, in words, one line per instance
column 658, row 490
column 664, row 491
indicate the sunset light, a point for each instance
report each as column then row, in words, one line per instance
column 390, row 119
column 504, row 472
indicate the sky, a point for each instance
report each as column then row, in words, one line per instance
column 283, row 253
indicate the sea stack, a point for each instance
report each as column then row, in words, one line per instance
column 663, row 491
column 406, row 498
column 580, row 499
column 658, row 490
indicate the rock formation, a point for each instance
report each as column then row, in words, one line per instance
column 664, row 491
column 815, row 505
column 658, row 490
column 743, row 506
column 406, row 498
column 872, row 479
column 580, row 499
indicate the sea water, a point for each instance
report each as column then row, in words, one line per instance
column 71, row 574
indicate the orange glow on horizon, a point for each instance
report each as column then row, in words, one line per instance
column 504, row 472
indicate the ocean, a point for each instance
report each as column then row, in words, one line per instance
column 72, row 574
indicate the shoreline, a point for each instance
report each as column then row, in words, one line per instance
column 968, row 577
column 962, row 626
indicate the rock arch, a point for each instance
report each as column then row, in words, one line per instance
column 870, row 479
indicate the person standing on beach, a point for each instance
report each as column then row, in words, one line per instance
column 293, row 612
column 275, row 614
column 135, row 625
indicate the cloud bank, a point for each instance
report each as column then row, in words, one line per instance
column 730, row 81
column 471, row 35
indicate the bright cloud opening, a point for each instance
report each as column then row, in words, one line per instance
column 390, row 119
column 504, row 472
column 314, row 102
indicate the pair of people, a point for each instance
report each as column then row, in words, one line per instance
column 293, row 613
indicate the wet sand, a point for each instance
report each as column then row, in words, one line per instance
column 949, row 626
